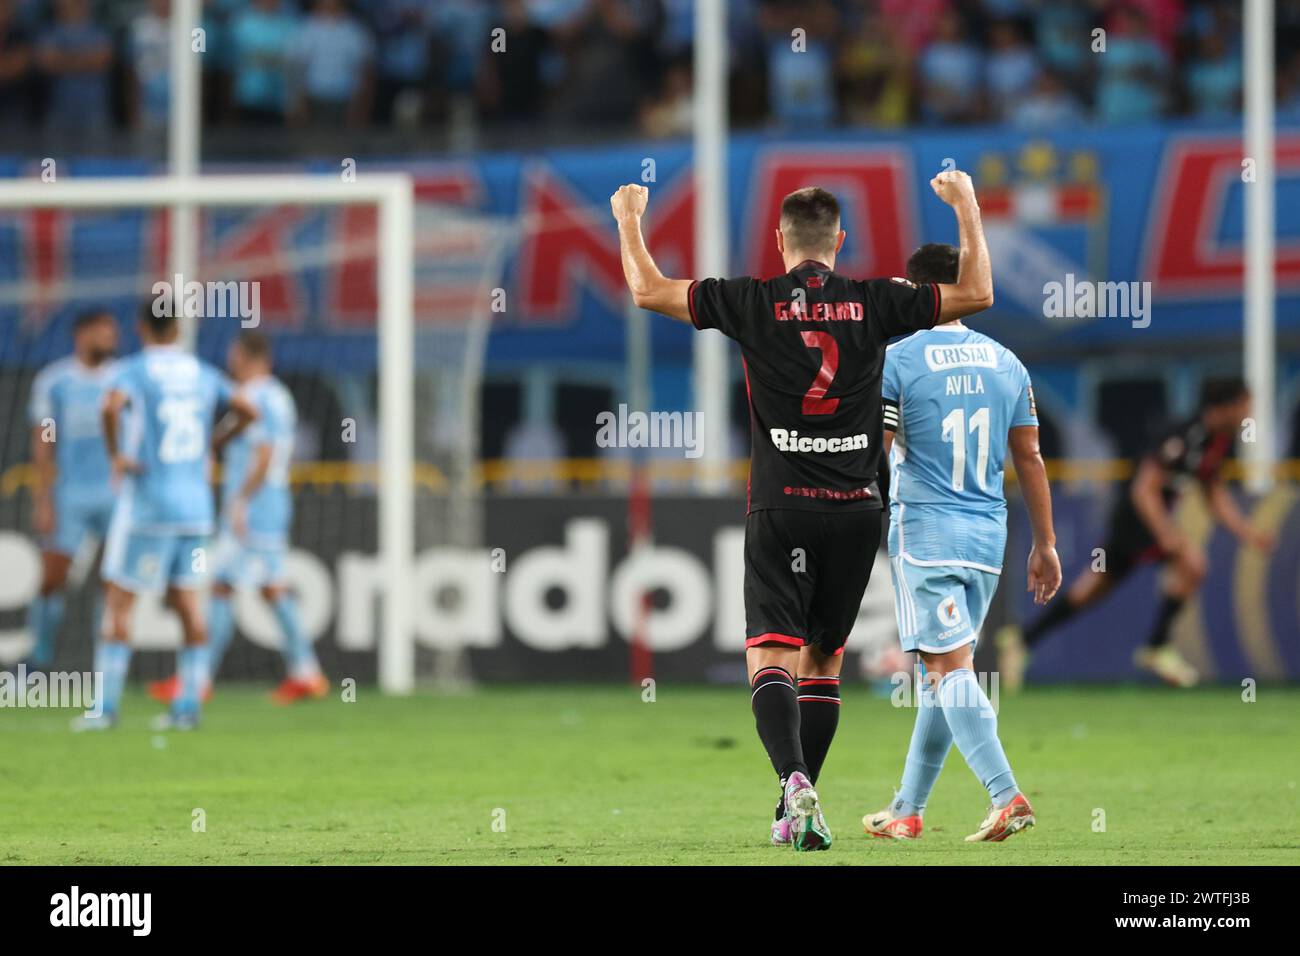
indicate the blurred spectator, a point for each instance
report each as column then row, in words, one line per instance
column 1214, row 79
column 584, row 67
column 678, row 34
column 261, row 35
column 513, row 88
column 462, row 31
column 875, row 75
column 405, row 33
column 800, row 61
column 1012, row 67
column 1162, row 19
column 75, row 54
column 671, row 112
column 1134, row 71
column 1064, row 34
column 951, row 73
column 332, row 55
column 913, row 21
column 15, row 69
column 611, row 61
column 150, row 86
column 1048, row 106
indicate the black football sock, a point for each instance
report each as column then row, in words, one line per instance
column 1055, row 615
column 1169, row 608
column 819, row 715
column 776, row 713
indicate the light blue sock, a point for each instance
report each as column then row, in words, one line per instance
column 113, row 660
column 221, row 628
column 299, row 658
column 192, row 666
column 44, row 617
column 974, row 726
column 931, row 741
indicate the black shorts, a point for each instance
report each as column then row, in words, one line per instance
column 805, row 573
column 1129, row 544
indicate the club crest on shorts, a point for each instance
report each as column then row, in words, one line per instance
column 947, row 612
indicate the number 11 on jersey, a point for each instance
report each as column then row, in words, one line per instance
column 954, row 431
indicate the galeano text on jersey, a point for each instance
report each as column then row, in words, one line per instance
column 796, row 311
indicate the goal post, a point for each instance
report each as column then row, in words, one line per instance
column 393, row 195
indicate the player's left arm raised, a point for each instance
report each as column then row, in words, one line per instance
column 650, row 288
column 973, row 290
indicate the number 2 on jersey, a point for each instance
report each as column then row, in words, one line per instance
column 815, row 401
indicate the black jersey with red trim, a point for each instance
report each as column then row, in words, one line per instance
column 1189, row 453
column 813, row 343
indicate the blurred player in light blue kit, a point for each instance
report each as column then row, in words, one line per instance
column 955, row 401
column 72, row 499
column 158, row 429
column 256, row 510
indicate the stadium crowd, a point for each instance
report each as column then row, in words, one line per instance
column 84, row 66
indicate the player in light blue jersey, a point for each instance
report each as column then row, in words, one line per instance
column 71, row 499
column 256, row 512
column 158, row 428
column 955, row 401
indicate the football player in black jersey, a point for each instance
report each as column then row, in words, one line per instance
column 1142, row 529
column 813, row 343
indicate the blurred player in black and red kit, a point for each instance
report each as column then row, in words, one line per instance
column 813, row 343
column 1142, row 529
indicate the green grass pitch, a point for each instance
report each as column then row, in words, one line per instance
column 580, row 775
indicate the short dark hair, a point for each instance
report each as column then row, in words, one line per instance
column 1223, row 391
column 934, row 262
column 255, row 345
column 810, row 220
column 158, row 324
column 88, row 317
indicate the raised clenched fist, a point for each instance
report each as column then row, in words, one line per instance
column 954, row 187
column 629, row 201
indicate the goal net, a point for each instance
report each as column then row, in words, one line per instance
column 378, row 311
column 460, row 260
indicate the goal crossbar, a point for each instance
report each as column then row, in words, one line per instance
column 394, row 196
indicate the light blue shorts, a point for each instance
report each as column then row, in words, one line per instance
column 254, row 563
column 74, row 522
column 154, row 561
column 940, row 608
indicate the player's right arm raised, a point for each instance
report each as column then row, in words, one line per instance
column 973, row 290
column 650, row 288
column 1044, row 566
